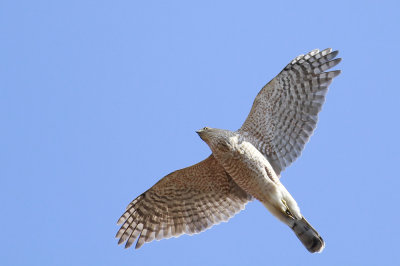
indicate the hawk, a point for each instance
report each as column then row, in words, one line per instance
column 244, row 164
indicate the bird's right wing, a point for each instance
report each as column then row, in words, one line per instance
column 285, row 112
column 187, row 201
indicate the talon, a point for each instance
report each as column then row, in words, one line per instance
column 288, row 213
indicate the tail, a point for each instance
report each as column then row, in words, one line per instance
column 308, row 235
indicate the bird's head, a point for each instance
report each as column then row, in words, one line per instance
column 217, row 139
column 206, row 133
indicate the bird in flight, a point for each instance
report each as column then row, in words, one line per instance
column 245, row 164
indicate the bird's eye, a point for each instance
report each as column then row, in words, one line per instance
column 205, row 128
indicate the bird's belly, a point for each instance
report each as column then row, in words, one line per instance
column 250, row 170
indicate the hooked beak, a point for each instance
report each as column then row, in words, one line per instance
column 200, row 132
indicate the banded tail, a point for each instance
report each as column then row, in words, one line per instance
column 308, row 235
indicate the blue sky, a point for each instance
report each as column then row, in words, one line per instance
column 101, row 99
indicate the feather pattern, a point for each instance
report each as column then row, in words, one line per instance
column 187, row 201
column 285, row 112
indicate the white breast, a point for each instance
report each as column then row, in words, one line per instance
column 249, row 168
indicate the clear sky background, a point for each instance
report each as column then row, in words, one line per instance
column 101, row 99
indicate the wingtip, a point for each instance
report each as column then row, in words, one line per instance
column 326, row 51
column 139, row 243
column 128, row 244
column 118, row 234
column 120, row 220
column 334, row 54
column 120, row 241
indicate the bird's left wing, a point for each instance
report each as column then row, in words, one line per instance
column 285, row 112
column 187, row 201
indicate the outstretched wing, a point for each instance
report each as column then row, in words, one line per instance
column 285, row 112
column 187, row 201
